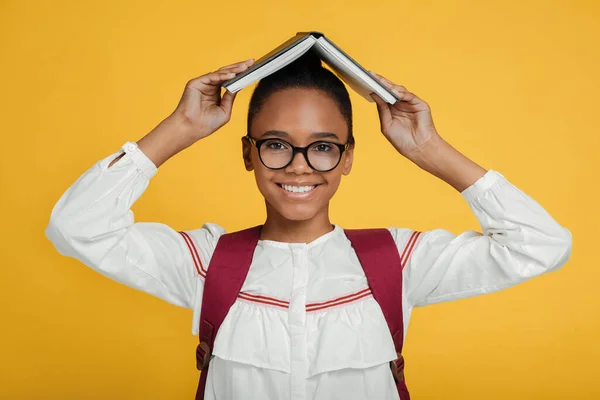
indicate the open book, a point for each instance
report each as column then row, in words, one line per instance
column 341, row 63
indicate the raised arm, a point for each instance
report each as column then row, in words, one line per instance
column 93, row 221
column 519, row 239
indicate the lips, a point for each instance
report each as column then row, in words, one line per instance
column 297, row 188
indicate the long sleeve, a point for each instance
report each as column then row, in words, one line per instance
column 93, row 223
column 520, row 240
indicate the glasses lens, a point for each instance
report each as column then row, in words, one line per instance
column 323, row 155
column 275, row 153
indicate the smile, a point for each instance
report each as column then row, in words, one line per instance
column 297, row 189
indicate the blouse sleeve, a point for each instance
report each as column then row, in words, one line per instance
column 93, row 222
column 520, row 240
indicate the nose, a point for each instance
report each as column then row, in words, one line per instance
column 299, row 165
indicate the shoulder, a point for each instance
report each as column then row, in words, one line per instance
column 201, row 243
column 409, row 241
column 207, row 232
column 405, row 236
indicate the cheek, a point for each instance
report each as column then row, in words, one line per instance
column 263, row 176
column 333, row 181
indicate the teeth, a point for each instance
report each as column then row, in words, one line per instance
column 298, row 189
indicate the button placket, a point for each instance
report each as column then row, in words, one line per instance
column 297, row 321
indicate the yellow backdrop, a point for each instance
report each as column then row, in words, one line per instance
column 514, row 86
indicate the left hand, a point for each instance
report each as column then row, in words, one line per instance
column 407, row 124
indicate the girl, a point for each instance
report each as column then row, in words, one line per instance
column 305, row 325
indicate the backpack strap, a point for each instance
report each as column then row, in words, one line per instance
column 226, row 274
column 229, row 266
column 379, row 258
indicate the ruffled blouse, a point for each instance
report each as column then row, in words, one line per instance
column 305, row 324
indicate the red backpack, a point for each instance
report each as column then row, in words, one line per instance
column 230, row 263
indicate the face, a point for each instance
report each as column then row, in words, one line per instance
column 300, row 117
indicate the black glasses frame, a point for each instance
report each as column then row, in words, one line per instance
column 303, row 150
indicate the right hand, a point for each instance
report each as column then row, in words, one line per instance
column 202, row 110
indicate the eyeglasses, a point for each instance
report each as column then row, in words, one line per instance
column 322, row 156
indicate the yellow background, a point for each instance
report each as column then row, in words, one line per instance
column 512, row 84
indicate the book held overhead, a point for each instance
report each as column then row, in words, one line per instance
column 350, row 71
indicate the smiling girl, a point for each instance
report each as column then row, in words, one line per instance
column 305, row 324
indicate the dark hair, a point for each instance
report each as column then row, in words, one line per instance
column 305, row 72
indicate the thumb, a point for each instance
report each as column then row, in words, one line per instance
column 384, row 110
column 227, row 101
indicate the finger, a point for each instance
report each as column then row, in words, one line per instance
column 400, row 90
column 237, row 64
column 211, row 79
column 384, row 110
column 227, row 101
column 408, row 97
column 237, row 69
column 384, row 81
column 389, row 84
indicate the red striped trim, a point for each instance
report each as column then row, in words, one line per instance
column 260, row 297
column 409, row 248
column 309, row 307
column 194, row 252
column 338, row 299
column 341, row 302
column 257, row 300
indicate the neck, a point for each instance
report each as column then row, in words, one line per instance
column 280, row 229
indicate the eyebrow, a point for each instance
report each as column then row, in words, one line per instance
column 316, row 135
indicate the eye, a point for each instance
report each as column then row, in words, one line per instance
column 322, row 147
column 276, row 145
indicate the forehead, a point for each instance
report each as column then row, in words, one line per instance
column 300, row 112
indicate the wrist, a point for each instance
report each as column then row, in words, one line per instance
column 430, row 154
column 179, row 130
column 442, row 160
column 168, row 138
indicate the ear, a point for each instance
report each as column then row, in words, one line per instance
column 246, row 153
column 348, row 159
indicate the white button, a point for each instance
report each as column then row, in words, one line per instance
column 131, row 147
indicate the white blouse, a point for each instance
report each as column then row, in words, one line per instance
column 305, row 325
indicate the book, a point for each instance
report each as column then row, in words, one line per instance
column 350, row 71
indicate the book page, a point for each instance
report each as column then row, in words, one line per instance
column 272, row 65
column 352, row 73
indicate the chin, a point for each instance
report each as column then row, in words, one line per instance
column 298, row 212
column 294, row 209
